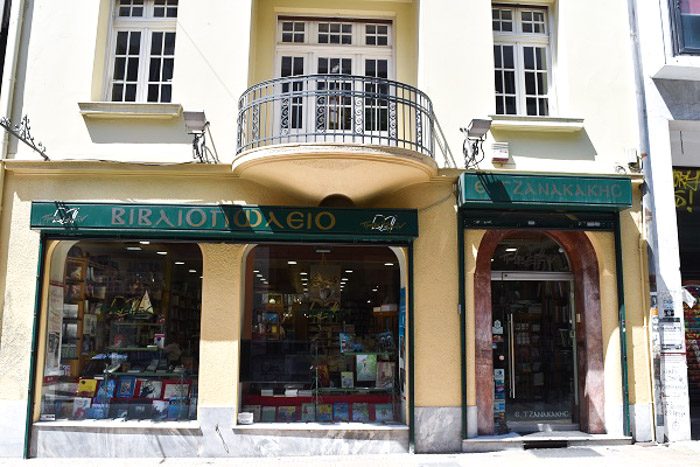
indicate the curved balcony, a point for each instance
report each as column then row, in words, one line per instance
column 320, row 135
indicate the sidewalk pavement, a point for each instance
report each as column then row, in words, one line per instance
column 681, row 454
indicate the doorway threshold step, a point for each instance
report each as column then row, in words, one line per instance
column 541, row 440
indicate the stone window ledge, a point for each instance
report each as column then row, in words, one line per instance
column 130, row 110
column 311, row 426
column 535, row 124
column 119, row 424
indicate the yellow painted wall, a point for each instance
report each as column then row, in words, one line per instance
column 436, row 321
column 403, row 14
column 222, row 301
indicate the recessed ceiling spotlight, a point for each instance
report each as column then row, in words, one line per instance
column 388, row 264
column 510, row 250
column 133, row 248
column 369, row 301
column 302, row 273
column 180, row 263
column 162, row 253
column 374, row 290
column 291, row 263
column 193, row 270
column 256, row 271
column 349, row 271
column 345, row 279
column 258, row 275
column 144, row 242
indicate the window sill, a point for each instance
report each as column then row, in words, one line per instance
column 120, row 424
column 129, row 110
column 536, row 124
column 313, row 426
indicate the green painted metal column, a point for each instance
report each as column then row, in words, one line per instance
column 35, row 344
column 622, row 319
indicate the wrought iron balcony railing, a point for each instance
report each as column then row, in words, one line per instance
column 336, row 109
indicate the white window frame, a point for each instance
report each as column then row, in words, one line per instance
column 146, row 25
column 520, row 40
column 311, row 50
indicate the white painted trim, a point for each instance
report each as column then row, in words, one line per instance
column 536, row 124
column 110, row 110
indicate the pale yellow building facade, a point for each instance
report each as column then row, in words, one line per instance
column 332, row 128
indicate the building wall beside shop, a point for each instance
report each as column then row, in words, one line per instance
column 635, row 281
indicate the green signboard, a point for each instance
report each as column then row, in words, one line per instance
column 223, row 220
column 542, row 191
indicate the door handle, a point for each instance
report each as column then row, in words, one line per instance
column 511, row 357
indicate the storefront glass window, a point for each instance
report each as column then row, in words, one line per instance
column 122, row 331
column 530, row 252
column 323, row 335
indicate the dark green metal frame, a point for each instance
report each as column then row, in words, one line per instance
column 84, row 235
column 611, row 222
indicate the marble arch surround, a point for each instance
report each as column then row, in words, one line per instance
column 589, row 334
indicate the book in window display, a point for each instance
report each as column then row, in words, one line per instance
column 268, row 414
column 81, row 405
column 308, row 412
column 325, row 412
column 287, row 413
column 383, row 412
column 360, row 412
column 148, row 388
column 341, row 412
column 366, row 367
column 159, row 410
column 127, row 385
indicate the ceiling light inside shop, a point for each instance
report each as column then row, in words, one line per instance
column 145, row 242
column 374, row 290
column 323, row 251
column 369, row 301
column 162, row 253
column 303, row 273
column 179, row 263
column 133, row 248
column 388, row 264
column 291, row 262
column 511, row 250
column 193, row 270
column 349, row 271
column 256, row 271
column 258, row 275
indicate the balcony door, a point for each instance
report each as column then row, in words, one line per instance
column 342, row 67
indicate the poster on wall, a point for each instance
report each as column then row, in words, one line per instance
column 53, row 334
column 402, row 341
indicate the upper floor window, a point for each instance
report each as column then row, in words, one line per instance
column 686, row 24
column 142, row 50
column 522, row 60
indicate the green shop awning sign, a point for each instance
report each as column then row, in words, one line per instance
column 223, row 220
column 539, row 191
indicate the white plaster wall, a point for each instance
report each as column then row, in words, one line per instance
column 62, row 64
column 592, row 80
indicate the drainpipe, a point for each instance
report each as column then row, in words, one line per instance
column 643, row 128
column 16, row 11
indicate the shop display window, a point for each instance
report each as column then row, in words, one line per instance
column 121, row 335
column 323, row 335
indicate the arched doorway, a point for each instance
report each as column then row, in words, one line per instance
column 546, row 298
